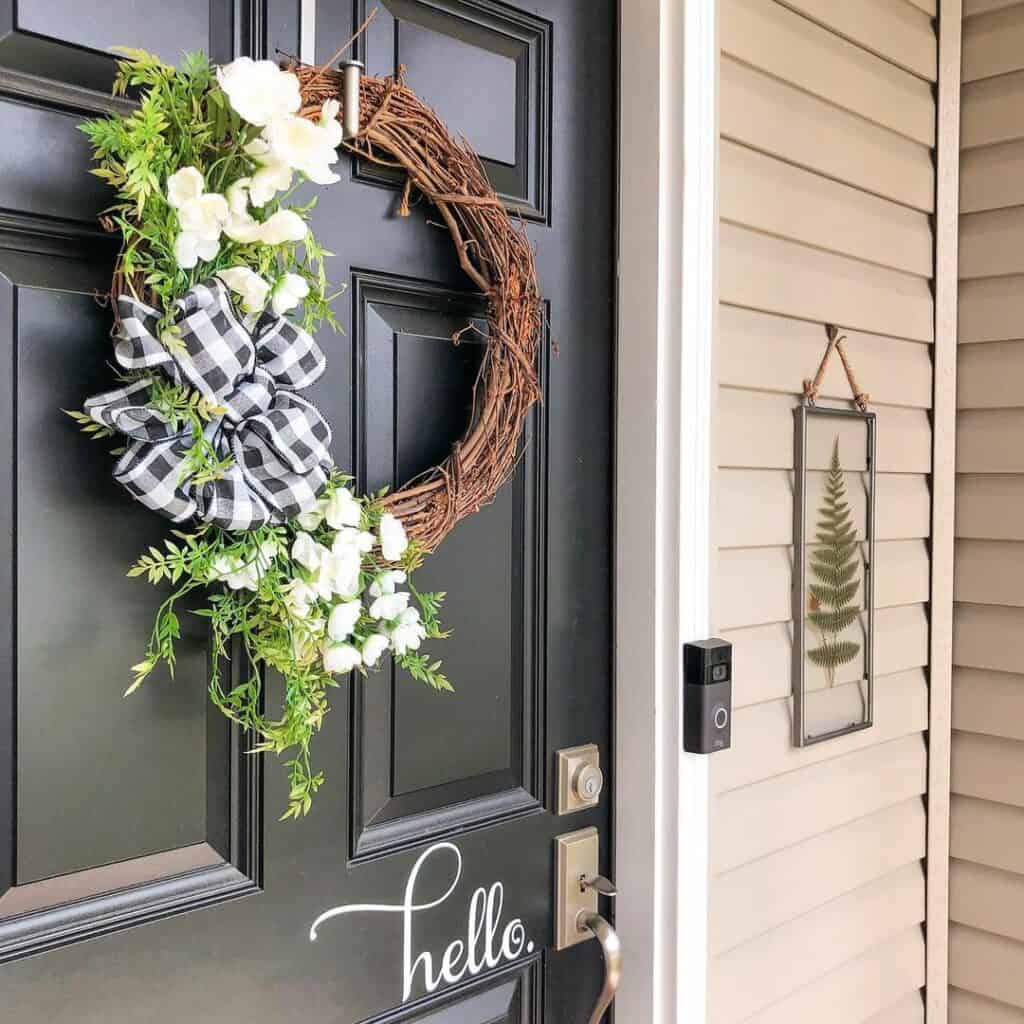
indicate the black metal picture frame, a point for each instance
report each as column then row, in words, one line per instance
column 803, row 414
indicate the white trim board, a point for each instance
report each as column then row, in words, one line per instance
column 667, row 309
column 947, row 219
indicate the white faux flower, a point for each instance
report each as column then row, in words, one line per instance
column 204, row 216
column 339, row 573
column 307, row 552
column 299, row 598
column 348, row 537
column 259, row 90
column 390, row 606
column 273, row 175
column 201, row 218
column 231, row 570
column 287, row 294
column 342, row 509
column 373, row 647
column 184, row 186
column 384, row 583
column 248, row 285
column 408, row 632
column 283, row 226
column 393, row 540
column 240, row 225
column 314, row 517
column 305, row 146
column 343, row 619
column 189, row 249
column 341, row 658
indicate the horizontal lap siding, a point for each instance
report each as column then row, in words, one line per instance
column 987, row 808
column 827, row 187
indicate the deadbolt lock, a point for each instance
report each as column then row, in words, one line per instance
column 580, row 780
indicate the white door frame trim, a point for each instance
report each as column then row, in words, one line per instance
column 665, row 396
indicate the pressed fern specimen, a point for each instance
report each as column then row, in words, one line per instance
column 835, row 560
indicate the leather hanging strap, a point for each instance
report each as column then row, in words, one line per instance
column 835, row 344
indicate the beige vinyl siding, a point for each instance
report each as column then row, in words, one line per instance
column 827, row 190
column 987, row 807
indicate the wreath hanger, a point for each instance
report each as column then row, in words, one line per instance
column 835, row 344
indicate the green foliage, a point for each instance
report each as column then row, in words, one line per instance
column 256, row 629
column 96, row 431
column 835, row 561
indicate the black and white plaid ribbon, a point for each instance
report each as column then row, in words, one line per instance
column 278, row 441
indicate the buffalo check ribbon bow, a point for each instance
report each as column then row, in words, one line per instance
column 278, row 441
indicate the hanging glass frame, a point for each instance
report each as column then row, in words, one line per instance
column 833, row 573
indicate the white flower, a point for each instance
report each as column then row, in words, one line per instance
column 349, row 538
column 339, row 573
column 283, row 226
column 343, row 619
column 384, row 583
column 184, row 186
column 232, row 570
column 249, row 285
column 201, row 218
column 408, row 632
column 273, row 176
column 259, row 90
column 390, row 606
column 288, row 293
column 204, row 216
column 393, row 540
column 240, row 225
column 305, row 146
column 341, row 658
column 307, row 552
column 299, row 598
column 189, row 248
column 314, row 517
column 342, row 509
column 373, row 647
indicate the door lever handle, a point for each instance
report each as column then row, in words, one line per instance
column 611, row 949
column 600, row 884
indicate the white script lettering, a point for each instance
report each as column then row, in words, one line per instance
column 483, row 947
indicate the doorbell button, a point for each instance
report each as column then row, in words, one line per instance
column 707, row 696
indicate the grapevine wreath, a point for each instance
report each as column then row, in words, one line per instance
column 294, row 571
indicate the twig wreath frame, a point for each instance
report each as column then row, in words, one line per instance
column 398, row 130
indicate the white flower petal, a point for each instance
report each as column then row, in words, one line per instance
column 373, row 647
column 393, row 539
column 184, row 185
column 259, row 90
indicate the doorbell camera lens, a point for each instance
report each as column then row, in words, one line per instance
column 707, row 696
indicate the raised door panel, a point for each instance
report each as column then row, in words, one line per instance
column 426, row 763
column 506, row 50
column 72, row 42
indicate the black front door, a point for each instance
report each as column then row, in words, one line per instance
column 143, row 873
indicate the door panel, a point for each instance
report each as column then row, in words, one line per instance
column 116, row 812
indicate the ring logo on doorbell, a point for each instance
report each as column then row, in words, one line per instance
column 707, row 696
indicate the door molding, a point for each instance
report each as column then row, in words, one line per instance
column 667, row 320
